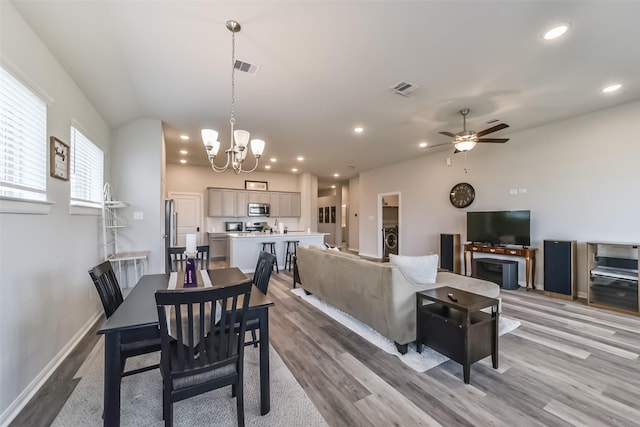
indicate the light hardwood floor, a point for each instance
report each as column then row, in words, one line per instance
column 568, row 364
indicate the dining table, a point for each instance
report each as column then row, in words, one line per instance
column 136, row 319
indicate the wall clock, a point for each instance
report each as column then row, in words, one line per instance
column 462, row 195
column 59, row 159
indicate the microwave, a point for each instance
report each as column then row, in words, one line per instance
column 258, row 209
column 233, row 226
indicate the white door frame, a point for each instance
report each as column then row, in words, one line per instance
column 380, row 245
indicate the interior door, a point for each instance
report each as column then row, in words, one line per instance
column 189, row 216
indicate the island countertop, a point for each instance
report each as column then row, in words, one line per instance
column 244, row 248
column 258, row 234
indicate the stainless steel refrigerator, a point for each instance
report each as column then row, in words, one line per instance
column 170, row 226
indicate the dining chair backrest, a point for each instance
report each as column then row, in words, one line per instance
column 262, row 274
column 107, row 286
column 190, row 326
column 176, row 258
column 202, row 257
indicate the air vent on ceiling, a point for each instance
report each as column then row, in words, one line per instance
column 404, row 88
column 245, row 67
column 492, row 121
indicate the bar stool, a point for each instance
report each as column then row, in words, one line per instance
column 292, row 251
column 272, row 250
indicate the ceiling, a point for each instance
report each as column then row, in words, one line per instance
column 326, row 67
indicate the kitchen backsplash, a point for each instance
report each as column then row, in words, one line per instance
column 217, row 225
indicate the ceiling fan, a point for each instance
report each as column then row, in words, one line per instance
column 467, row 139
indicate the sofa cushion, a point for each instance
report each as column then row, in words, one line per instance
column 418, row 269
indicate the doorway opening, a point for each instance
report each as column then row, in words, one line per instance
column 389, row 225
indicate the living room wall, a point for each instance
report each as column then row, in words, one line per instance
column 580, row 176
column 48, row 300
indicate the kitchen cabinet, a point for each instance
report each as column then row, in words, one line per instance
column 222, row 202
column 230, row 203
column 295, row 205
column 259, row 197
column 288, row 205
column 218, row 246
column 274, row 201
column 242, row 199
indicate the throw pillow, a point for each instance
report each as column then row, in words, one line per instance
column 418, row 269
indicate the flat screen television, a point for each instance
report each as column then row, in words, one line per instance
column 499, row 227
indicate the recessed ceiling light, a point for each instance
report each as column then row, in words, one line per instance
column 183, row 161
column 300, row 158
column 267, row 167
column 358, row 129
column 184, row 152
column 273, row 160
column 294, row 170
column 184, row 137
column 612, row 88
column 422, row 144
column 556, row 32
column 333, row 186
column 336, row 175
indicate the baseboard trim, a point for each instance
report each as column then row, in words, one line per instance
column 21, row 401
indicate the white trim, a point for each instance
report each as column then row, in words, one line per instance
column 24, row 78
column 22, row 206
column 21, row 401
column 84, row 210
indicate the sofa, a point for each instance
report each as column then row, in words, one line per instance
column 378, row 294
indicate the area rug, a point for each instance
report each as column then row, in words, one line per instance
column 420, row 362
column 142, row 397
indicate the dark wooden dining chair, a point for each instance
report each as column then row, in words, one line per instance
column 261, row 278
column 177, row 260
column 203, row 354
column 110, row 294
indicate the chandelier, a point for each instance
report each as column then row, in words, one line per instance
column 237, row 151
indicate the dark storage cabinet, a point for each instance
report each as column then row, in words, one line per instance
column 559, row 269
column 458, row 329
column 500, row 271
column 450, row 252
column 613, row 276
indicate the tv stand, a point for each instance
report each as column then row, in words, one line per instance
column 529, row 254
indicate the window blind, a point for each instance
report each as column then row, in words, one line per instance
column 87, row 171
column 23, row 140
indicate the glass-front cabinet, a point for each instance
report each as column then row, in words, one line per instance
column 613, row 276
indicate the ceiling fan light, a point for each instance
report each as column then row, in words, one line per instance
column 556, row 32
column 465, row 145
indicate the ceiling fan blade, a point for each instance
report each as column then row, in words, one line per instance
column 492, row 140
column 492, row 129
column 447, row 134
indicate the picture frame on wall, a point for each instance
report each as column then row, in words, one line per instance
column 333, row 214
column 59, row 159
column 256, row 185
column 326, row 214
column 320, row 215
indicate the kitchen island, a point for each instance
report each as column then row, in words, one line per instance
column 244, row 248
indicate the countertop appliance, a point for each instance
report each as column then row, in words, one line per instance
column 255, row 226
column 233, row 226
column 258, row 209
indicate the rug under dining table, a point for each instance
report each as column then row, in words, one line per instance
column 142, row 397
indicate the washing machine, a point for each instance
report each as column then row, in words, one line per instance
column 390, row 241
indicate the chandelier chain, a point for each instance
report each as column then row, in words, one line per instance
column 233, row 80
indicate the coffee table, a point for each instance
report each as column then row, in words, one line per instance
column 458, row 329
